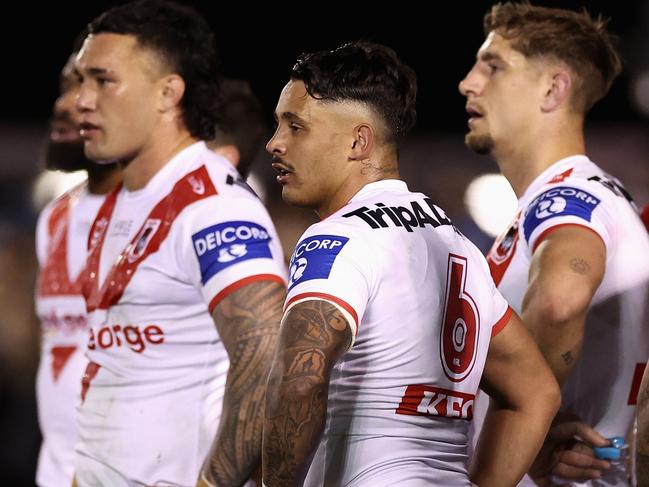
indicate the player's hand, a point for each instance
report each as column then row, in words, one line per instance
column 568, row 452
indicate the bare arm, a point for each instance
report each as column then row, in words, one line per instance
column 566, row 270
column 642, row 433
column 525, row 398
column 248, row 323
column 314, row 336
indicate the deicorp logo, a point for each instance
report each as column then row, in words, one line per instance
column 314, row 257
column 559, row 201
column 220, row 246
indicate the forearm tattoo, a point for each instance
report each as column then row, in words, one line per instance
column 567, row 357
column 314, row 336
column 248, row 323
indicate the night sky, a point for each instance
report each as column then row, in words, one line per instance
column 440, row 46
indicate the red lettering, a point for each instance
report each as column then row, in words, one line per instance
column 422, row 400
column 134, row 338
column 116, row 330
column 105, row 332
column 109, row 336
column 154, row 334
column 91, row 340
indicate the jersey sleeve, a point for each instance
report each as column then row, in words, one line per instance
column 231, row 242
column 332, row 262
column 567, row 204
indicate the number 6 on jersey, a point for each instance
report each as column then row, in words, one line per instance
column 461, row 327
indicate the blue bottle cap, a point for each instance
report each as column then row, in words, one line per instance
column 607, row 453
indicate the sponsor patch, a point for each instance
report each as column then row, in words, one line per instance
column 220, row 246
column 314, row 257
column 559, row 201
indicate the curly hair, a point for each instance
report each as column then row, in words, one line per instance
column 184, row 41
column 575, row 38
column 364, row 72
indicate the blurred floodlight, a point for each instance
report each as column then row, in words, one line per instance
column 491, row 202
column 52, row 184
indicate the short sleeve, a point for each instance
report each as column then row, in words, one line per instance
column 232, row 243
column 334, row 264
column 565, row 205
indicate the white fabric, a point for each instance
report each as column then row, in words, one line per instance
column 64, row 330
column 152, row 409
column 392, row 279
column 616, row 337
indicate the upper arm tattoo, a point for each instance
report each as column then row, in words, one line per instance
column 580, row 266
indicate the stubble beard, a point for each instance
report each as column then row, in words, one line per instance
column 480, row 144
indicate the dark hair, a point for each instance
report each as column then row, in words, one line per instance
column 241, row 123
column 572, row 37
column 365, row 72
column 184, row 41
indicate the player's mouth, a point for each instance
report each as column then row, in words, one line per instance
column 283, row 172
column 88, row 130
column 475, row 114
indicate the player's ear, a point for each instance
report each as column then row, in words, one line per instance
column 171, row 92
column 362, row 142
column 558, row 90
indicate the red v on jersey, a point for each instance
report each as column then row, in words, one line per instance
column 193, row 187
column 60, row 357
column 53, row 279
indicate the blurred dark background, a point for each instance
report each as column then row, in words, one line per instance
column 260, row 44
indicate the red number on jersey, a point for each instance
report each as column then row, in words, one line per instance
column 461, row 327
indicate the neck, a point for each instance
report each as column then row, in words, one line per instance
column 140, row 169
column 369, row 173
column 521, row 164
column 102, row 178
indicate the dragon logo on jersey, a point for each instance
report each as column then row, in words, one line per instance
column 502, row 251
column 198, row 186
column 314, row 257
column 564, row 201
column 220, row 246
column 142, row 240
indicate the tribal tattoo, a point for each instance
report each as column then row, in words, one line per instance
column 248, row 324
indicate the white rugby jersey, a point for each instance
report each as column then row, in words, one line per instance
column 161, row 259
column 61, row 243
column 602, row 387
column 422, row 309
